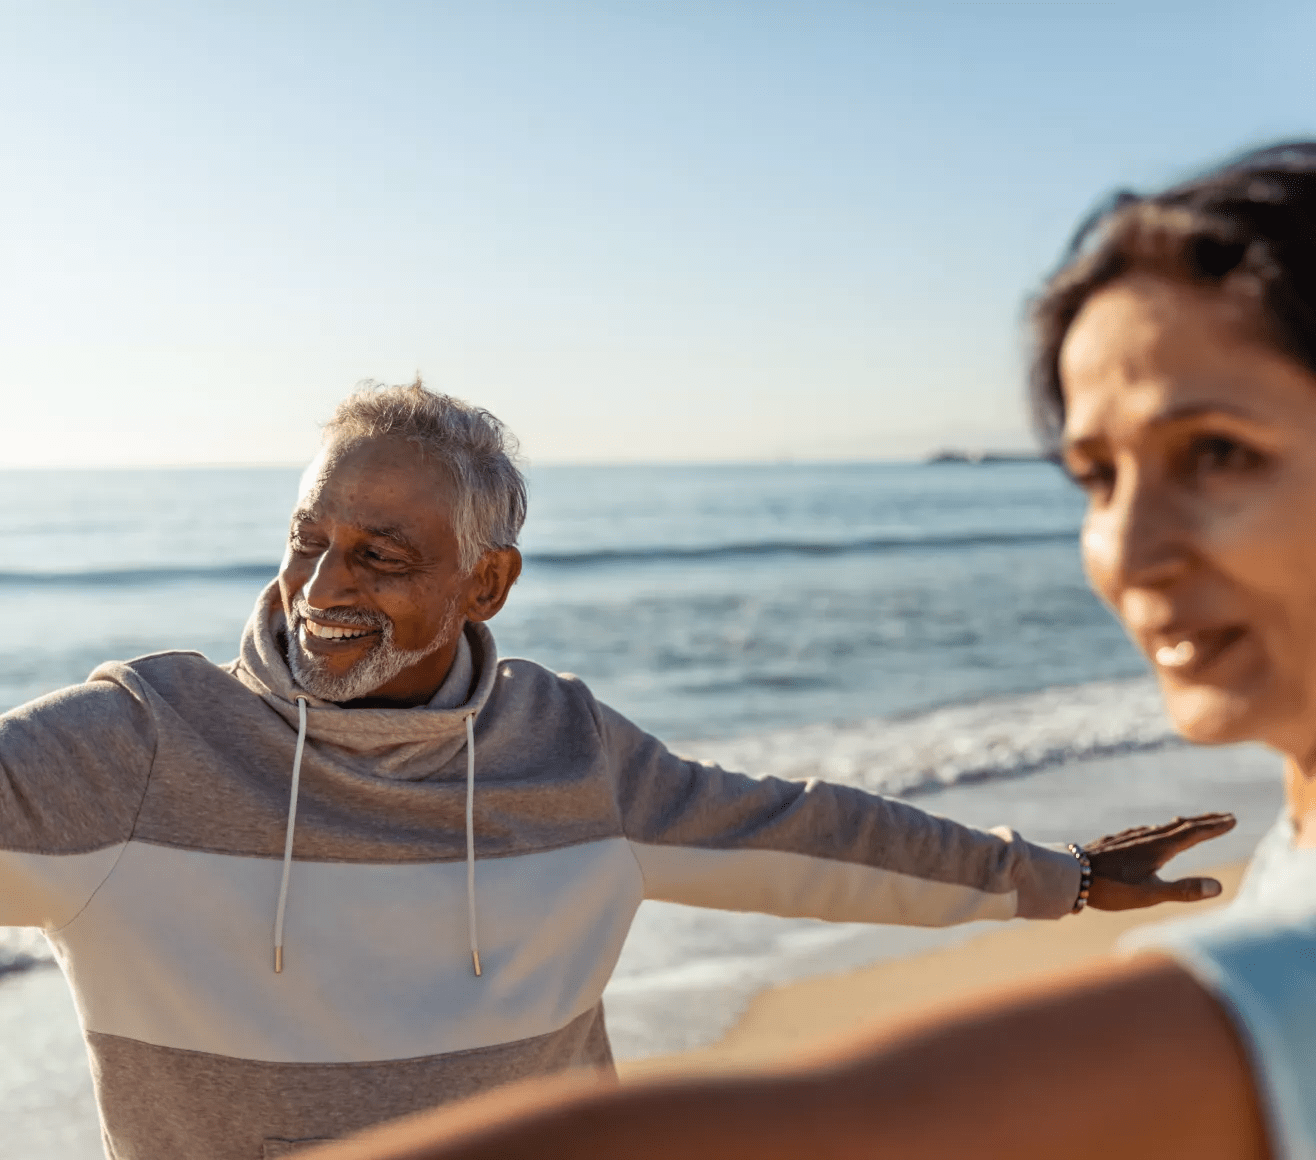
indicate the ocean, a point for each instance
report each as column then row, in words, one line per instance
column 841, row 620
column 917, row 629
column 704, row 602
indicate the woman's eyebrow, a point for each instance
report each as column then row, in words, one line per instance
column 1198, row 410
column 1163, row 418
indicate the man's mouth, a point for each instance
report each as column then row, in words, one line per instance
column 337, row 632
column 1186, row 653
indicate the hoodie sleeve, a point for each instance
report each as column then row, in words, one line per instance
column 709, row 837
column 73, row 772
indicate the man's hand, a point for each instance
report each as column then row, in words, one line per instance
column 1124, row 865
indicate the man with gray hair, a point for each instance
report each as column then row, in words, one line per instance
column 485, row 510
column 369, row 867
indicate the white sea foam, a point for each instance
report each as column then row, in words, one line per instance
column 22, row 947
column 994, row 737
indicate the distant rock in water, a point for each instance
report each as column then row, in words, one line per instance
column 976, row 457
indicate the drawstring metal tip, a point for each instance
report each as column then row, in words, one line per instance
column 475, row 958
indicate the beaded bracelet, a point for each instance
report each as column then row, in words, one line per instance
column 1084, row 877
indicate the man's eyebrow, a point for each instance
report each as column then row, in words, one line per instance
column 393, row 534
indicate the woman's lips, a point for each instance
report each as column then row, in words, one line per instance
column 1188, row 654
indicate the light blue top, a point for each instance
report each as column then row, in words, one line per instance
column 1258, row 957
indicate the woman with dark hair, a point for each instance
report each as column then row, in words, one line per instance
column 1175, row 379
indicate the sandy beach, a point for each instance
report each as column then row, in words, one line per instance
column 785, row 1020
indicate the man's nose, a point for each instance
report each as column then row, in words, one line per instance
column 1137, row 540
column 331, row 584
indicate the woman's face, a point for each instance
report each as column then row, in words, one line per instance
column 1196, row 444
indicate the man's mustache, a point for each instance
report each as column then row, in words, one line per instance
column 343, row 615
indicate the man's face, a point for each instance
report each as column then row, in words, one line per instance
column 372, row 589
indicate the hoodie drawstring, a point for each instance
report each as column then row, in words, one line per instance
column 287, row 841
column 292, row 826
column 470, row 841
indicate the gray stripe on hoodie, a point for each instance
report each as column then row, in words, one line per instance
column 205, row 1107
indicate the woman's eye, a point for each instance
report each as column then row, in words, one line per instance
column 1094, row 478
column 1213, row 453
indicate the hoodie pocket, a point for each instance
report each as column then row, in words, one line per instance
column 275, row 1148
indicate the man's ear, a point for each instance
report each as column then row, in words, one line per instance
column 490, row 582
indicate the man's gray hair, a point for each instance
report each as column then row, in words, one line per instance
column 477, row 451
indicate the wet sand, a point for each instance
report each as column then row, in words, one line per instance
column 47, row 1108
column 781, row 1022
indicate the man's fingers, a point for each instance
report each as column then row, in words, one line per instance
column 1108, row 894
column 1192, row 889
column 1191, row 831
column 1125, row 865
column 1140, row 835
column 1166, row 840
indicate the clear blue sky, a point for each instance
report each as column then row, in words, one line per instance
column 634, row 229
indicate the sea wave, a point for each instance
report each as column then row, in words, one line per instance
column 22, row 948
column 876, row 544
column 168, row 574
column 996, row 737
column 138, row 577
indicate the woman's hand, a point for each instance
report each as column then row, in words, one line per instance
column 1124, row 865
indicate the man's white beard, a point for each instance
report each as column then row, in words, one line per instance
column 374, row 670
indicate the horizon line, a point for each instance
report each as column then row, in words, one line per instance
column 775, row 461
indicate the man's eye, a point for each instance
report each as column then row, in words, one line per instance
column 381, row 558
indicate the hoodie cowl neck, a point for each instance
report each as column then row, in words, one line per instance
column 405, row 744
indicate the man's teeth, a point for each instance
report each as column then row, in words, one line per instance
column 1176, row 657
column 332, row 632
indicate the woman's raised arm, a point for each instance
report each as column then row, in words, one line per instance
column 1130, row 1060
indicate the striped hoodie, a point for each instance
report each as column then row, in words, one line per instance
column 171, row 820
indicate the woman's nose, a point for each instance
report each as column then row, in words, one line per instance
column 1135, row 540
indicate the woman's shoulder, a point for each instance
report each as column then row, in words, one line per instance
column 1257, row 957
column 1274, row 865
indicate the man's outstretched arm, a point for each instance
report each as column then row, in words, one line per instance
column 74, row 766
column 707, row 836
column 1130, row 1060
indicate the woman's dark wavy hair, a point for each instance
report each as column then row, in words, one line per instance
column 1249, row 224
